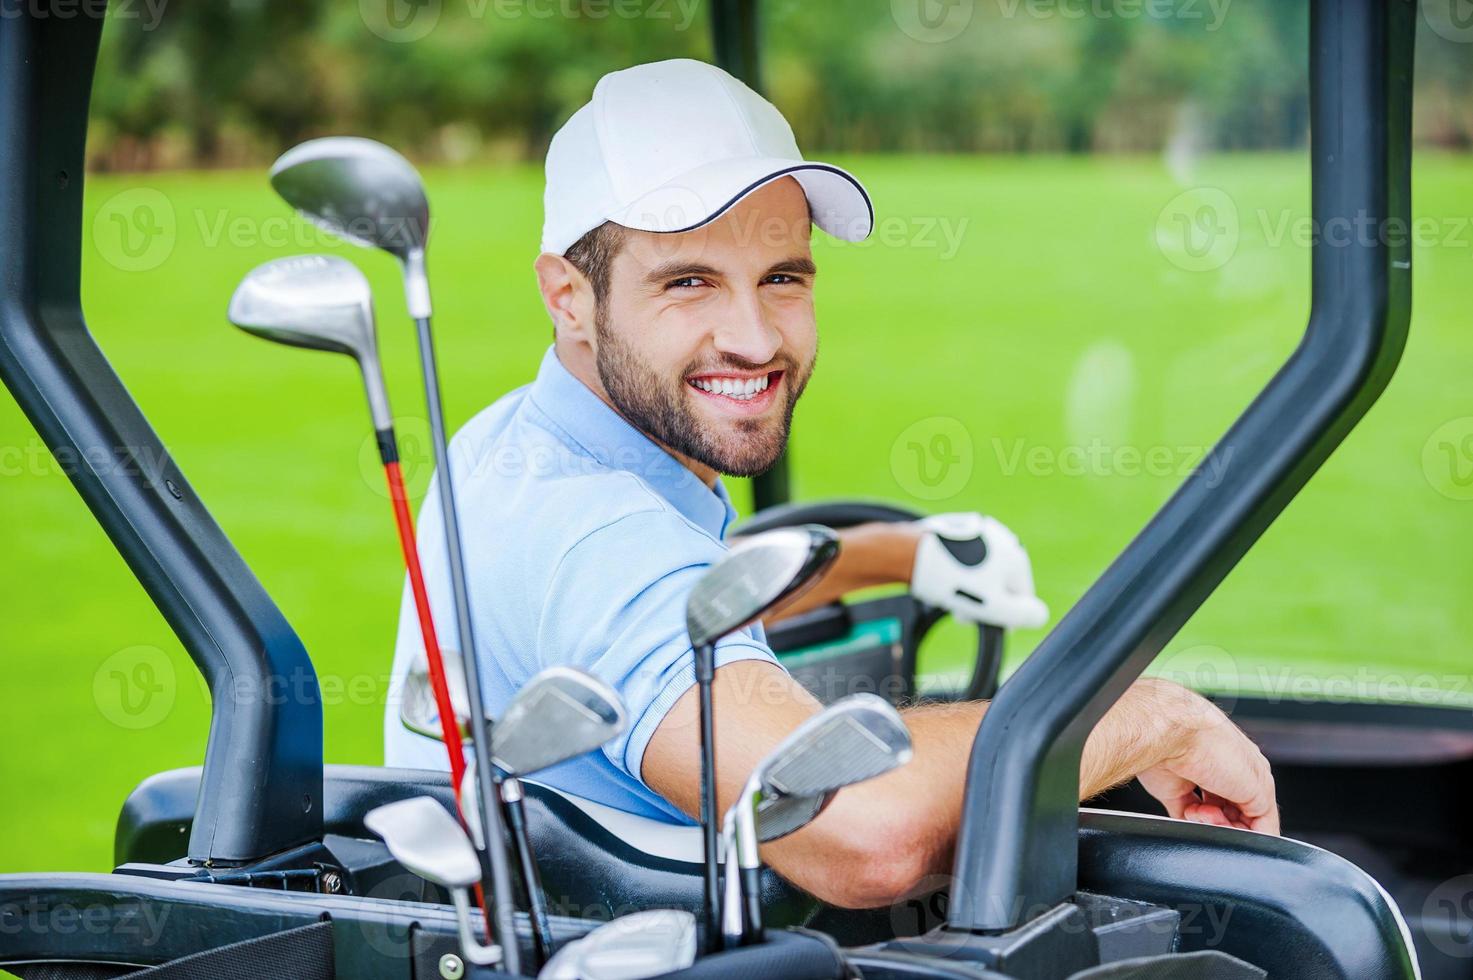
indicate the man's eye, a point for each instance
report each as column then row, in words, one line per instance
column 686, row 282
column 784, row 279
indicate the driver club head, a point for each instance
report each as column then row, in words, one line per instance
column 426, row 840
column 319, row 302
column 365, row 193
column 559, row 714
column 643, row 944
column 759, row 574
column 359, row 190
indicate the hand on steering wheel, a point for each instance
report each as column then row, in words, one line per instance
column 972, row 566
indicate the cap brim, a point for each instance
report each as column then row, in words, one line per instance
column 837, row 200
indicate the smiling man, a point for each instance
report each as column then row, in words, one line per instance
column 677, row 270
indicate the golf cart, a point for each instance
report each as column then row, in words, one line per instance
column 264, row 861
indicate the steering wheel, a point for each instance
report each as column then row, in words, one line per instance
column 831, row 624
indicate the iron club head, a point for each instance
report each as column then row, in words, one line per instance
column 759, row 574
column 559, row 714
column 427, row 840
column 643, row 944
column 850, row 741
column 319, row 302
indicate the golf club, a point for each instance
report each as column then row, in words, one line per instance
column 419, row 711
column 758, row 575
column 852, row 740
column 427, row 840
column 632, row 947
column 324, row 303
column 369, row 195
column 559, row 714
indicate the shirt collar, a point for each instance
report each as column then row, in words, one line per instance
column 602, row 433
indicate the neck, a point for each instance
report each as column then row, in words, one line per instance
column 579, row 362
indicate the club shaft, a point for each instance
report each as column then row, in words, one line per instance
column 705, row 675
column 388, row 447
column 433, row 658
column 516, row 823
column 496, row 856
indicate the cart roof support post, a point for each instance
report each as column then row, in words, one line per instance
column 736, row 39
column 262, row 786
column 1017, row 854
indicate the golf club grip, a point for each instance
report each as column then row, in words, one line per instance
column 405, row 521
column 516, row 823
column 752, row 900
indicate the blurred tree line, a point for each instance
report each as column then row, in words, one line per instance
column 227, row 83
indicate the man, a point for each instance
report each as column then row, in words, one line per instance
column 677, row 271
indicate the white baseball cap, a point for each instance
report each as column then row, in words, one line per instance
column 670, row 146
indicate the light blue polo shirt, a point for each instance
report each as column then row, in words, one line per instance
column 582, row 541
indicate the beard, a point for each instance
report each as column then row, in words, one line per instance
column 660, row 407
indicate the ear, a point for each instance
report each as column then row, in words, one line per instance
column 568, row 297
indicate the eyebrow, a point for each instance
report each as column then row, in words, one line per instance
column 679, row 269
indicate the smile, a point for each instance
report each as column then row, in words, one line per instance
column 751, row 392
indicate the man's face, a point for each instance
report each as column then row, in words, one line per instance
column 707, row 338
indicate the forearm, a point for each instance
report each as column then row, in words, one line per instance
column 881, row 839
column 869, row 555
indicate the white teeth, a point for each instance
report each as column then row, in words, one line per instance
column 738, row 389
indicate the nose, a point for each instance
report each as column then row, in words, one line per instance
column 746, row 333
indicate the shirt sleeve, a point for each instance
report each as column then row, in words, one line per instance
column 615, row 607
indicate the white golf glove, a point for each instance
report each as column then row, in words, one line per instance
column 976, row 569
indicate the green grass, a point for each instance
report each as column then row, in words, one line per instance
column 1056, row 322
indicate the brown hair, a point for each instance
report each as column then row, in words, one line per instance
column 593, row 255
